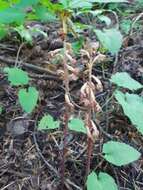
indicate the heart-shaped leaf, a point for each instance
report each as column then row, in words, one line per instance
column 77, row 125
column 101, row 182
column 119, row 154
column 110, row 39
column 11, row 15
column 124, row 80
column 28, row 99
column 47, row 122
column 132, row 105
column 16, row 76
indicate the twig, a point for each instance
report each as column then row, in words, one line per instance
column 134, row 22
column 7, row 185
column 12, row 183
column 18, row 52
column 43, row 158
column 73, row 184
column 28, row 65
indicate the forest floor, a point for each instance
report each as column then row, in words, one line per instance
column 26, row 154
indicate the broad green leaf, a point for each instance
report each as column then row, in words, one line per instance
column 132, row 105
column 119, row 154
column 24, row 33
column 16, row 76
column 3, row 4
column 54, row 7
column 124, row 80
column 24, row 4
column 77, row 125
column 101, row 182
column 11, row 15
column 47, row 122
column 28, row 99
column 77, row 45
column 111, row 39
column 44, row 14
column 65, row 3
column 105, row 19
column 108, row 1
column 75, row 4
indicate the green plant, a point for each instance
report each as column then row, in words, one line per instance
column 27, row 97
column 132, row 104
column 101, row 182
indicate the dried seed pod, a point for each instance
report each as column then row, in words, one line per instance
column 72, row 61
column 95, row 133
column 97, row 107
column 98, row 85
column 85, row 53
column 60, row 73
column 89, row 133
column 68, row 101
column 82, row 90
column 99, row 58
column 73, row 77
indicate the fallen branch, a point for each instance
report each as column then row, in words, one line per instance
column 35, row 68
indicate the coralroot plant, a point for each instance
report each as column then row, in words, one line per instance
column 87, row 97
column 68, row 104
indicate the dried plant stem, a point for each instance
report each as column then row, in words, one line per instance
column 89, row 151
column 88, row 119
column 67, row 108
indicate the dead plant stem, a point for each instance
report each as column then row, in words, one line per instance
column 67, row 109
column 89, row 117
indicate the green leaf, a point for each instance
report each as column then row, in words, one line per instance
column 3, row 5
column 44, row 14
column 77, row 125
column 119, row 154
column 16, row 76
column 23, row 4
column 105, row 19
column 133, row 108
column 11, row 15
column 101, row 182
column 126, row 25
column 24, row 33
column 124, row 80
column 75, row 4
column 28, row 99
column 107, row 1
column 65, row 3
column 77, row 45
column 47, row 122
column 111, row 39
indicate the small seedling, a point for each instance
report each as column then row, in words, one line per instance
column 27, row 97
column 47, row 123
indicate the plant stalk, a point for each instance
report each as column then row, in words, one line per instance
column 88, row 119
column 67, row 109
